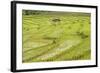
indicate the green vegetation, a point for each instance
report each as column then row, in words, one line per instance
column 55, row 36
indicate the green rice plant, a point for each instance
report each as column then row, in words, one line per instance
column 55, row 36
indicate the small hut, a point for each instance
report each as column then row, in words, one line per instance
column 56, row 21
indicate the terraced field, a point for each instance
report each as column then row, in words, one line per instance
column 55, row 36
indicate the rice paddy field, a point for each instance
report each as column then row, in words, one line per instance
column 55, row 36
